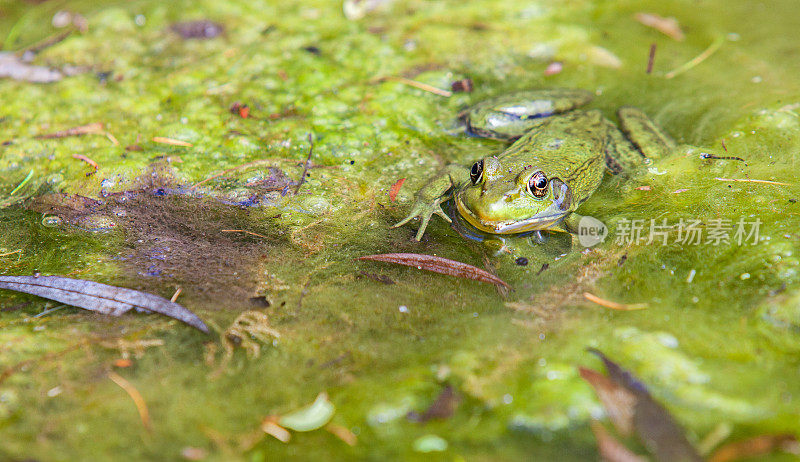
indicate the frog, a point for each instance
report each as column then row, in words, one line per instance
column 557, row 157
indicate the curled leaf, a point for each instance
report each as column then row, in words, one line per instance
column 438, row 265
column 618, row 402
column 13, row 67
column 311, row 417
column 610, row 448
column 667, row 26
column 653, row 424
column 98, row 297
column 755, row 447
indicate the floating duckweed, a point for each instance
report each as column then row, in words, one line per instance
column 430, row 443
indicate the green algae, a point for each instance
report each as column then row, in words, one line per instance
column 716, row 346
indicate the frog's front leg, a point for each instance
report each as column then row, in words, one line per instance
column 439, row 189
column 510, row 116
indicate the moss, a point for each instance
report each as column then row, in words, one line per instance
column 716, row 343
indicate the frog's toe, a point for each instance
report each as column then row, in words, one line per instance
column 442, row 214
column 403, row 221
column 422, row 227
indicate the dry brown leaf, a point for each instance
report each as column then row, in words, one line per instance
column 755, row 447
column 13, row 67
column 667, row 26
column 438, row 265
column 610, row 448
column 617, row 401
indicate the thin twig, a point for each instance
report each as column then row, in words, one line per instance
column 88, row 161
column 25, row 180
column 137, row 398
column 94, row 128
column 613, row 305
column 420, row 85
column 243, row 231
column 748, row 180
column 175, row 295
column 10, row 253
column 232, row 169
column 308, row 161
column 651, row 59
column 170, row 141
column 697, row 60
column 46, row 312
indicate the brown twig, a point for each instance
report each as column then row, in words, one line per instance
column 88, row 161
column 308, row 161
column 137, row 398
column 176, row 295
column 748, row 180
column 171, row 141
column 95, row 128
column 651, row 59
column 613, row 305
column 243, row 231
column 420, row 85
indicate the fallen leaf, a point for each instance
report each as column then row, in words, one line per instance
column 191, row 453
column 653, row 424
column 667, row 26
column 755, row 447
column 611, row 449
column 554, row 68
column 311, row 417
column 438, row 265
column 98, row 297
column 442, row 407
column 95, row 128
column 123, row 363
column 396, row 189
column 12, row 66
column 170, row 141
column 201, row 29
column 618, row 402
column 462, row 86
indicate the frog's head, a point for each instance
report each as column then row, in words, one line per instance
column 512, row 199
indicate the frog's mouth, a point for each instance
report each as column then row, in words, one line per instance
column 543, row 221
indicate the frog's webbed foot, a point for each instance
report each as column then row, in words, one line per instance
column 425, row 210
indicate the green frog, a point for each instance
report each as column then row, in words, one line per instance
column 557, row 159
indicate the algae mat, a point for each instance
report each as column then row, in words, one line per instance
column 200, row 138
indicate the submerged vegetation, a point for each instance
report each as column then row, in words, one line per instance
column 167, row 148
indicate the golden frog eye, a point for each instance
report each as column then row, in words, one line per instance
column 476, row 172
column 537, row 184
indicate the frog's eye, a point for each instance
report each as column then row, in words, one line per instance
column 537, row 184
column 476, row 172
